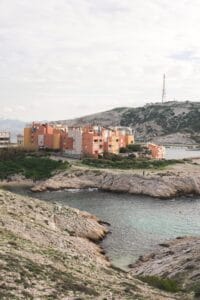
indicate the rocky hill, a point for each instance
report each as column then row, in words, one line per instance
column 106, row 118
column 48, row 252
column 171, row 122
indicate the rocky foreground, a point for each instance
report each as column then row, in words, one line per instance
column 182, row 179
column 177, row 259
column 48, row 252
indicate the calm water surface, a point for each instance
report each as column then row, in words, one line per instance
column 180, row 153
column 138, row 223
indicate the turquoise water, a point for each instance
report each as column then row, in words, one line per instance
column 138, row 223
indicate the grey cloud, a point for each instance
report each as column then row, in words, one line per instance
column 102, row 52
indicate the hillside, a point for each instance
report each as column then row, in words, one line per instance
column 169, row 118
column 48, row 252
column 172, row 122
column 106, row 118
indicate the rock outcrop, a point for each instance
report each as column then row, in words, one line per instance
column 170, row 183
column 177, row 259
column 46, row 252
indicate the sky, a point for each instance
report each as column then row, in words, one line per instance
column 61, row 59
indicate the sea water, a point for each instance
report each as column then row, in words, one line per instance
column 137, row 223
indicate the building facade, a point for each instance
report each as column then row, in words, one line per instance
column 74, row 142
column 20, row 140
column 44, row 136
column 77, row 141
column 157, row 152
column 5, row 138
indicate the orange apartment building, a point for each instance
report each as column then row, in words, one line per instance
column 83, row 141
column 77, row 141
column 97, row 140
column 157, row 152
column 93, row 144
column 38, row 136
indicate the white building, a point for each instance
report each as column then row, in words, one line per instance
column 76, row 136
column 20, row 140
column 4, row 138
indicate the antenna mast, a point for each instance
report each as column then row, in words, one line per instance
column 163, row 89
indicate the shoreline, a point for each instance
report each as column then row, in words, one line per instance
column 173, row 181
column 54, row 253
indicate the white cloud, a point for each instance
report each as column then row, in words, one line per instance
column 74, row 57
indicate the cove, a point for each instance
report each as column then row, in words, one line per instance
column 138, row 223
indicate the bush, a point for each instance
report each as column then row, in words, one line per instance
column 196, row 290
column 12, row 153
column 165, row 284
column 135, row 148
column 132, row 148
column 129, row 163
column 33, row 167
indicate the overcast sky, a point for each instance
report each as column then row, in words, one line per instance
column 61, row 59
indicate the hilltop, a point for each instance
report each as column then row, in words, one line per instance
column 171, row 122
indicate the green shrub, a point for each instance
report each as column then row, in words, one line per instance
column 33, row 167
column 165, row 284
column 196, row 289
column 128, row 163
column 135, row 148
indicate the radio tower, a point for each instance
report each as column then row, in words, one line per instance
column 163, row 90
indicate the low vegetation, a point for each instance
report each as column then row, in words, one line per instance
column 196, row 290
column 176, row 117
column 166, row 284
column 135, row 148
column 170, row 285
column 32, row 165
column 118, row 162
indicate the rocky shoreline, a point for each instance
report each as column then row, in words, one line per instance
column 183, row 179
column 177, row 259
column 173, row 181
column 48, row 252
